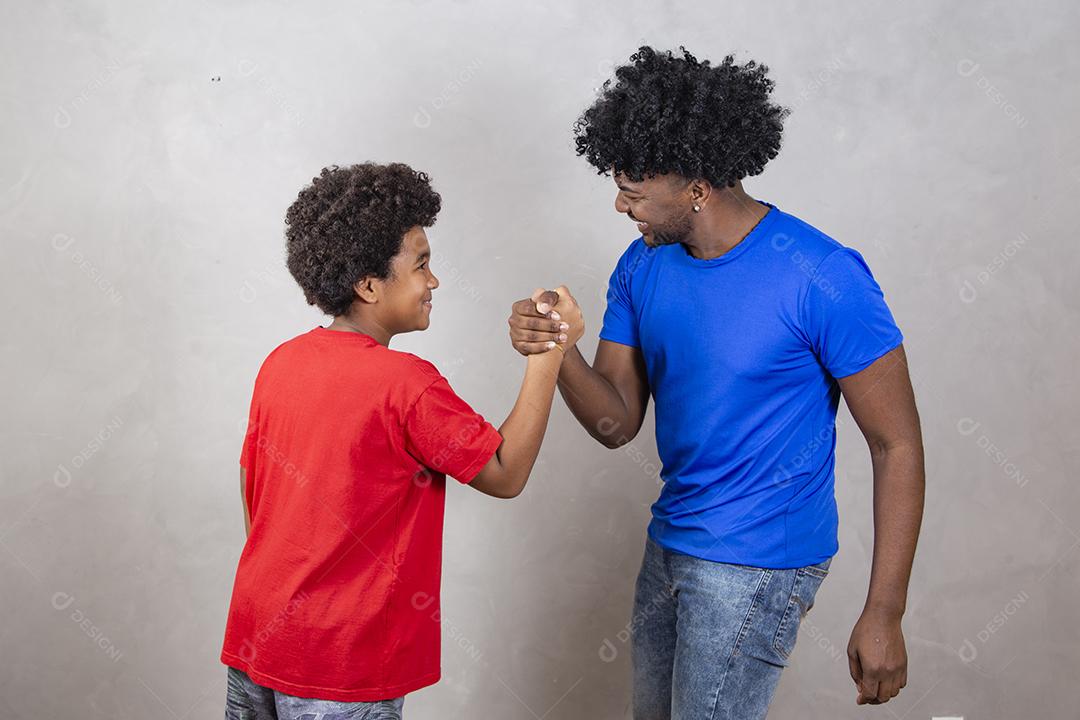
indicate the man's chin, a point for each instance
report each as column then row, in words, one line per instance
column 657, row 240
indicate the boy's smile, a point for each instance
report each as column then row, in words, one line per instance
column 407, row 293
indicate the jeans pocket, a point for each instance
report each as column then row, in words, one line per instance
column 239, row 704
column 821, row 569
column 807, row 581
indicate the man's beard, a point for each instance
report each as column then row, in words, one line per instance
column 677, row 231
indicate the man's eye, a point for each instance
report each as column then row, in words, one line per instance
column 423, row 265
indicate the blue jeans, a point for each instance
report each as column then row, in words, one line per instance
column 710, row 639
column 247, row 701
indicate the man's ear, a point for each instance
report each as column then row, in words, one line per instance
column 367, row 290
column 700, row 190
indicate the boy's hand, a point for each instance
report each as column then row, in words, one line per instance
column 570, row 313
column 548, row 316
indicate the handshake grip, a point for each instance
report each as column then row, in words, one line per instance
column 546, row 319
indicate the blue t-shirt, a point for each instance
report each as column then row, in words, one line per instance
column 742, row 352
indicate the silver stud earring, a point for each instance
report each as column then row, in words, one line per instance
column 697, row 208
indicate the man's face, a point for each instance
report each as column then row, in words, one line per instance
column 406, row 294
column 660, row 205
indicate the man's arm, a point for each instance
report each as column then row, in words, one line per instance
column 610, row 397
column 882, row 402
column 243, row 500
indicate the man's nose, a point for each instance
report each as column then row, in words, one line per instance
column 621, row 205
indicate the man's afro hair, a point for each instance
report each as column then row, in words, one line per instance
column 668, row 114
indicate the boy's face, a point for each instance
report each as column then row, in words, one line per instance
column 405, row 300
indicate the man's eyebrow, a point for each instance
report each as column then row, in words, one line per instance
column 423, row 255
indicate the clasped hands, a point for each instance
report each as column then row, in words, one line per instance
column 547, row 319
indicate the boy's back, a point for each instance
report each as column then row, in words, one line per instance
column 348, row 444
column 335, row 608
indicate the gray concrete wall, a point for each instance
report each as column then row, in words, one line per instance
column 149, row 151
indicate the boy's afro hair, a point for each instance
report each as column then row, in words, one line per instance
column 348, row 224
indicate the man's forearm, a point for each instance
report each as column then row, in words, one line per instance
column 899, row 490
column 595, row 403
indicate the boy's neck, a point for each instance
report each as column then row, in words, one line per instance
column 355, row 322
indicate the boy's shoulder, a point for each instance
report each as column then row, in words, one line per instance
column 404, row 376
column 411, row 368
column 395, row 367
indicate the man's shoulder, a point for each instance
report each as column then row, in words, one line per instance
column 804, row 242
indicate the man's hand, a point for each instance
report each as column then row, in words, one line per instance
column 549, row 316
column 877, row 657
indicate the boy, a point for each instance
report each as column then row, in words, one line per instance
column 335, row 605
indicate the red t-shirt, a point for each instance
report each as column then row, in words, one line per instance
column 346, row 456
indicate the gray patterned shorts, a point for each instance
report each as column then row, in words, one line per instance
column 245, row 700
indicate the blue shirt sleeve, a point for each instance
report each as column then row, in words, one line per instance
column 620, row 322
column 844, row 315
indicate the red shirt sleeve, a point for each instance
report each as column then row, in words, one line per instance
column 247, row 450
column 448, row 436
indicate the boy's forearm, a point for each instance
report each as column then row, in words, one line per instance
column 523, row 431
column 593, row 400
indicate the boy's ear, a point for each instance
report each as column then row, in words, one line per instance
column 366, row 290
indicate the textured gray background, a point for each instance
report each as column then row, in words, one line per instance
column 141, row 205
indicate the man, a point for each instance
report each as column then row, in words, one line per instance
column 745, row 325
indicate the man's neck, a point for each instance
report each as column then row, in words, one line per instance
column 723, row 224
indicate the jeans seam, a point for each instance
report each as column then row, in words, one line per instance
column 665, row 567
column 766, row 577
column 792, row 600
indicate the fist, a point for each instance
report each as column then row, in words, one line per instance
column 549, row 316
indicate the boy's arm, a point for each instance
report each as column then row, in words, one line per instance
column 506, row 473
column 243, row 500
